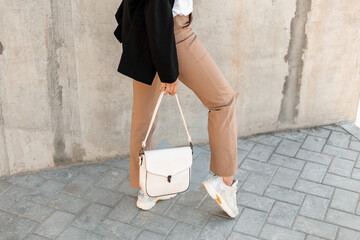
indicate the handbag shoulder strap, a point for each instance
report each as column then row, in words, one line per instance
column 154, row 114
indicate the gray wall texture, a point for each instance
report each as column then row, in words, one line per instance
column 293, row 64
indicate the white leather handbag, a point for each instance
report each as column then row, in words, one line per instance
column 165, row 171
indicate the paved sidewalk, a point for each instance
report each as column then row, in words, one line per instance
column 297, row 184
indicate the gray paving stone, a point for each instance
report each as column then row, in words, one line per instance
column 291, row 134
column 80, row 184
column 285, row 177
column 346, row 234
column 74, row 233
column 245, row 144
column 26, row 180
column 102, row 196
column 241, row 175
column 314, row 188
column 344, row 200
column 45, row 191
column 126, row 210
column 183, row 231
column 316, row 131
column 288, row 162
column 340, row 152
column 112, row 178
column 118, row 230
column 63, row 175
column 354, row 139
column 341, row 166
column 200, row 169
column 19, row 229
column 351, row 128
column 339, row 139
column 241, row 155
column 203, row 146
column 255, row 201
column 11, row 196
column 32, row 236
column 76, row 188
column 125, row 188
column 261, row 152
column 283, row 214
column 192, row 198
column 122, row 163
column 256, row 183
column 55, row 224
column 313, row 157
column 238, row 236
column 271, row 232
column 315, row 227
column 6, row 218
column 147, row 235
column 334, row 127
column 314, row 207
column 284, row 194
column 266, row 139
column 187, row 214
column 250, row 221
column 314, row 143
column 313, row 172
column 93, row 169
column 343, row 219
column 354, row 145
column 216, row 228
column 4, row 185
column 153, row 222
column 91, row 217
column 356, row 174
column 309, row 237
column 258, row 167
column 197, row 150
column 288, row 148
column 30, row 209
column 66, row 202
column 342, row 182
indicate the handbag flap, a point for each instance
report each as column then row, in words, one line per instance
column 168, row 161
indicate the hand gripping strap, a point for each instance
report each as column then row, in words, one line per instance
column 154, row 114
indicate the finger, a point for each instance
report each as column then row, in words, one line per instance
column 172, row 89
column 161, row 86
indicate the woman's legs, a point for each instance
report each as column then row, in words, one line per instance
column 144, row 102
column 199, row 72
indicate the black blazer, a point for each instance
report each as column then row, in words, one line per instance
column 146, row 31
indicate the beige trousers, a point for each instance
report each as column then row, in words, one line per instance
column 199, row 72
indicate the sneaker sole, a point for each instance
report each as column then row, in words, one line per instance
column 218, row 198
column 150, row 205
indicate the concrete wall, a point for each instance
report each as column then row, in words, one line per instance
column 293, row 64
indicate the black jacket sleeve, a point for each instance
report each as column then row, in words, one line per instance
column 118, row 17
column 160, row 31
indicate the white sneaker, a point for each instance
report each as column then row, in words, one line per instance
column 223, row 194
column 146, row 202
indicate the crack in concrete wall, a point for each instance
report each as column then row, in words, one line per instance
column 297, row 46
column 54, row 42
column 1, row 48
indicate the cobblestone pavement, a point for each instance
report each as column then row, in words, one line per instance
column 296, row 184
